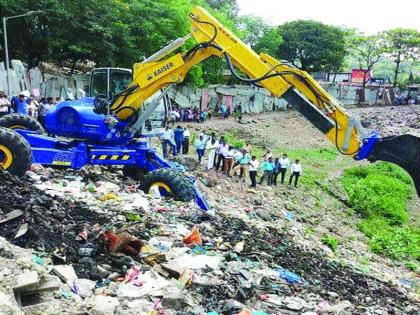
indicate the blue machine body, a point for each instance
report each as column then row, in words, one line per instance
column 77, row 119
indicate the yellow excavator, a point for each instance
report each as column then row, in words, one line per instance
column 104, row 130
column 297, row 87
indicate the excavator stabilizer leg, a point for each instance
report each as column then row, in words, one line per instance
column 401, row 150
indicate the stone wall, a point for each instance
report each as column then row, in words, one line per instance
column 256, row 100
column 251, row 98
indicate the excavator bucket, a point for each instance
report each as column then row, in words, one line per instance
column 401, row 150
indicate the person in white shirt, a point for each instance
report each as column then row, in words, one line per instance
column 253, row 170
column 229, row 155
column 167, row 139
column 4, row 104
column 296, row 170
column 211, row 147
column 220, row 153
column 186, row 144
column 284, row 165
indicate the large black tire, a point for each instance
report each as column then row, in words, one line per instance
column 19, row 121
column 134, row 172
column 15, row 152
column 180, row 187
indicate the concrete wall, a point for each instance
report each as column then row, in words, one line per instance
column 256, row 100
column 252, row 99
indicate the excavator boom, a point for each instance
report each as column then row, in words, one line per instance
column 297, row 87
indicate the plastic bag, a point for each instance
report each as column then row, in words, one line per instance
column 193, row 238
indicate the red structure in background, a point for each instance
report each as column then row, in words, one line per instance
column 357, row 75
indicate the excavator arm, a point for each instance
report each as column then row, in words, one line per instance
column 297, row 87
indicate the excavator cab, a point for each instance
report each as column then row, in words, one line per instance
column 107, row 83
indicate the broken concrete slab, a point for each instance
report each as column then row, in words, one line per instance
column 104, row 305
column 48, row 284
column 65, row 272
column 26, row 281
column 83, row 287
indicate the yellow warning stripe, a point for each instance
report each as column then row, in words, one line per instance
column 104, row 157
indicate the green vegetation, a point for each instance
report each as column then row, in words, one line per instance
column 316, row 163
column 379, row 193
column 331, row 242
column 120, row 32
column 232, row 140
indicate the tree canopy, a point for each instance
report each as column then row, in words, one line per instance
column 401, row 45
column 312, row 46
column 118, row 33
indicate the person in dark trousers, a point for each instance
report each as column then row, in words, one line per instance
column 221, row 149
column 268, row 167
column 253, row 170
column 186, row 143
column 179, row 138
column 284, row 165
column 200, row 144
column 296, row 170
column 276, row 171
column 167, row 139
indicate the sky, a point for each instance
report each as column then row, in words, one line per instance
column 369, row 16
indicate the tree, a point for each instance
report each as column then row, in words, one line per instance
column 270, row 42
column 312, row 46
column 401, row 45
column 230, row 7
column 368, row 50
column 252, row 28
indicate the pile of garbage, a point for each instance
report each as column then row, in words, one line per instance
column 91, row 242
column 392, row 120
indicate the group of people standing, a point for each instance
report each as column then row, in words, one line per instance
column 272, row 169
column 177, row 140
column 224, row 158
column 27, row 104
column 190, row 114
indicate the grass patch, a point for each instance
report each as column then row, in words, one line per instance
column 331, row 242
column 379, row 192
column 233, row 140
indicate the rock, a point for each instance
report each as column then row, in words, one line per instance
column 27, row 280
column 210, row 182
column 295, row 303
column 65, row 272
column 102, row 271
column 333, row 295
column 84, row 287
column 45, row 307
column 188, row 162
column 257, row 200
column 342, row 308
column 104, row 305
column 264, row 214
column 8, row 305
column 174, row 298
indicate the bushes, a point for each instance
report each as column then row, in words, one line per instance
column 331, row 242
column 394, row 241
column 379, row 192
